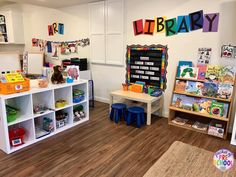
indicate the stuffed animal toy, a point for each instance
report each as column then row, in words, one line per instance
column 57, row 77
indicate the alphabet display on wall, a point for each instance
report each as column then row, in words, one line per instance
column 147, row 64
column 182, row 24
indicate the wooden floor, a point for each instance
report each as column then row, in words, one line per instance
column 102, row 148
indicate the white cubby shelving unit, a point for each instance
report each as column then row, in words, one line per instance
column 27, row 119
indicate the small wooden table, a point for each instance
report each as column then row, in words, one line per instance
column 153, row 103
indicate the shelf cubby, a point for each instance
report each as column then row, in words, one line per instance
column 23, row 104
column 69, row 119
column 83, row 87
column 29, row 136
column 43, row 99
column 64, row 93
column 40, row 129
column 85, row 110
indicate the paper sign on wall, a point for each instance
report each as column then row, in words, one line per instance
column 228, row 51
column 204, row 55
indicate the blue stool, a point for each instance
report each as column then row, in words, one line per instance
column 117, row 110
column 135, row 113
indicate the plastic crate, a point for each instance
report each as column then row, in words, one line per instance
column 16, row 87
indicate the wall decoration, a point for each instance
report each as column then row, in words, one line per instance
column 204, row 55
column 147, row 64
column 228, row 51
column 160, row 27
column 211, row 22
column 56, row 28
column 66, row 47
column 149, row 27
column 138, row 27
column 182, row 24
column 35, row 42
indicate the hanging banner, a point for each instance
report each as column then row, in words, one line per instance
column 181, row 24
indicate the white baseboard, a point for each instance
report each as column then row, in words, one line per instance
column 101, row 99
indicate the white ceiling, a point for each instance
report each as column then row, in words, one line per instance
column 48, row 3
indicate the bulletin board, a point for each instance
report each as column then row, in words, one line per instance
column 9, row 62
column 147, row 64
column 35, row 63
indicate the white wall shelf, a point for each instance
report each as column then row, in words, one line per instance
column 27, row 119
column 14, row 27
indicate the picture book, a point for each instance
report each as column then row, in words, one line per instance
column 227, row 74
column 182, row 101
column 200, row 126
column 201, row 71
column 193, row 87
column 179, row 121
column 180, row 86
column 183, row 63
column 226, row 110
column 213, row 73
column 210, row 89
column 225, row 91
column 217, row 108
column 188, row 72
column 202, row 105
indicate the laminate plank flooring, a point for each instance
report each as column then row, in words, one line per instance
column 102, row 148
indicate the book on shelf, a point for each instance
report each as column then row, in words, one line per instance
column 213, row 73
column 227, row 74
column 217, row 108
column 201, row 71
column 193, row 87
column 202, row 105
column 180, row 86
column 187, row 72
column 210, row 89
column 183, row 63
column 200, row 126
column 225, row 91
column 216, row 128
column 180, row 121
column 182, row 101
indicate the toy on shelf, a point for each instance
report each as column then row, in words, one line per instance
column 69, row 79
column 16, row 136
column 61, row 119
column 78, row 113
column 43, row 83
column 78, row 96
column 57, row 77
column 11, row 113
column 125, row 87
column 61, row 103
column 40, row 109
